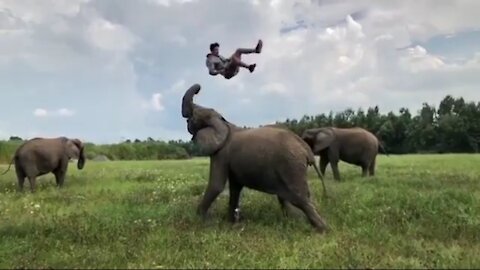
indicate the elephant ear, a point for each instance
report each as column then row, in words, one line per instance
column 213, row 137
column 72, row 149
column 323, row 139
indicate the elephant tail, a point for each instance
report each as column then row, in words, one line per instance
column 380, row 146
column 8, row 166
column 321, row 178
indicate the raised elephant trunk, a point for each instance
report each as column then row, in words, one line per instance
column 187, row 102
column 209, row 129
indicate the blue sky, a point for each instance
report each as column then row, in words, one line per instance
column 108, row 70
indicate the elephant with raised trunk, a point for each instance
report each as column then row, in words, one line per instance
column 40, row 156
column 267, row 159
column 356, row 146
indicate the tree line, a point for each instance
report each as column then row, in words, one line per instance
column 453, row 127
column 148, row 149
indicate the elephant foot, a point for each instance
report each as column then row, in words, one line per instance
column 321, row 230
column 321, row 227
column 202, row 213
column 235, row 217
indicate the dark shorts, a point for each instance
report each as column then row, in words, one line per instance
column 230, row 70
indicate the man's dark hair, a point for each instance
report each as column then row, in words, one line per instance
column 213, row 45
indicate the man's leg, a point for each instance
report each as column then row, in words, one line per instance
column 237, row 56
column 237, row 62
column 238, row 53
column 257, row 49
column 234, row 66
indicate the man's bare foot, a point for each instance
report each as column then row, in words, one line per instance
column 252, row 67
column 258, row 49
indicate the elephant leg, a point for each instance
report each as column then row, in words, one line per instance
column 20, row 179
column 336, row 173
column 334, row 159
column 283, row 206
column 216, row 184
column 60, row 173
column 371, row 168
column 59, row 177
column 308, row 209
column 364, row 170
column 323, row 164
column 233, row 204
column 32, row 180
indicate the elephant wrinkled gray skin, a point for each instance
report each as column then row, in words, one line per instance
column 267, row 159
column 40, row 156
column 356, row 146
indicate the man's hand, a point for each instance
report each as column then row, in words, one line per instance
column 211, row 67
column 217, row 71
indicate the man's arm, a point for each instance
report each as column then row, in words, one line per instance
column 211, row 68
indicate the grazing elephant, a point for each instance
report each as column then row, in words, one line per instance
column 352, row 145
column 40, row 156
column 268, row 159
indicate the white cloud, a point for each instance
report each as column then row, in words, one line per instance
column 341, row 55
column 40, row 112
column 154, row 103
column 33, row 11
column 109, row 36
column 157, row 102
column 63, row 112
column 317, row 56
column 169, row 2
column 417, row 59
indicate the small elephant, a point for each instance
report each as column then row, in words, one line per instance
column 352, row 145
column 268, row 159
column 40, row 156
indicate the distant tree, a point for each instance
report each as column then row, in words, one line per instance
column 454, row 127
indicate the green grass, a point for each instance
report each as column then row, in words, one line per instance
column 419, row 211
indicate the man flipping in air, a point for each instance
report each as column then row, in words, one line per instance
column 229, row 67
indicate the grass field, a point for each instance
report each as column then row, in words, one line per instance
column 419, row 211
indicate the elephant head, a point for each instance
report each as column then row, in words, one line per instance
column 209, row 129
column 318, row 138
column 75, row 149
